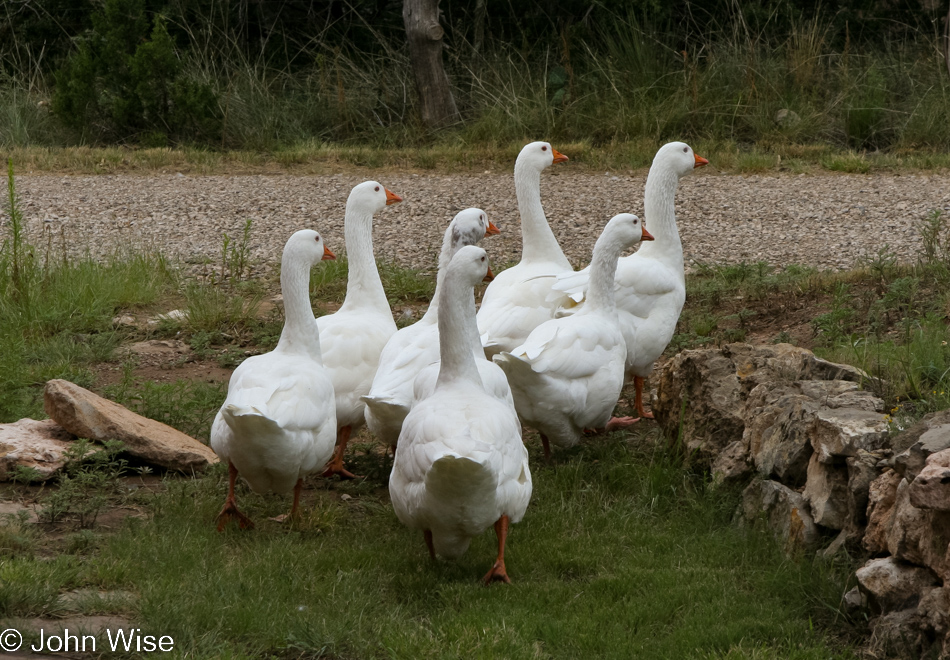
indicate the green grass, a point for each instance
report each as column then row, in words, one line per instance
column 459, row 155
column 621, row 554
column 56, row 315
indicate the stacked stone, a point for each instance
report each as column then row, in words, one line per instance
column 825, row 472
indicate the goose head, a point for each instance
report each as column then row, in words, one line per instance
column 538, row 156
column 679, row 157
column 370, row 197
column 470, row 266
column 307, row 246
column 468, row 227
column 627, row 230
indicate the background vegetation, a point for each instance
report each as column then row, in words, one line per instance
column 857, row 74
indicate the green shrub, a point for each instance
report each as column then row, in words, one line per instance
column 126, row 81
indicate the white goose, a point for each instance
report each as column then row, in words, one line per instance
column 461, row 466
column 353, row 337
column 567, row 376
column 278, row 423
column 519, row 300
column 417, row 346
column 493, row 378
column 651, row 284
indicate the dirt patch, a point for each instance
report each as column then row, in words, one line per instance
column 164, row 366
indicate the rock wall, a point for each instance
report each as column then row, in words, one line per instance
column 825, row 472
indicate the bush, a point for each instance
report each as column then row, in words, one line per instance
column 126, row 81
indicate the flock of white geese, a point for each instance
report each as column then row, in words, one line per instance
column 559, row 346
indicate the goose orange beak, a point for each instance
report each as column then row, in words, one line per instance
column 558, row 156
column 700, row 161
column 492, row 229
column 647, row 236
column 391, row 197
column 327, row 255
column 489, row 276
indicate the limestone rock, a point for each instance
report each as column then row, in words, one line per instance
column 702, row 387
column 33, row 444
column 931, row 488
column 826, row 492
column 855, row 601
column 783, row 511
column 912, row 446
column 87, row 415
column 862, row 471
column 840, row 394
column 841, row 432
column 934, row 610
column 706, row 391
column 919, row 536
column 777, row 431
column 895, row 634
column 835, row 546
column 892, row 585
column 732, row 464
column 882, row 495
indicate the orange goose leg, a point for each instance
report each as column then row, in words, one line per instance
column 547, row 447
column 498, row 572
column 230, row 509
column 293, row 509
column 336, row 465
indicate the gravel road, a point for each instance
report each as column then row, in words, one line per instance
column 825, row 220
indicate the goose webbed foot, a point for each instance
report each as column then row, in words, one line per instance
column 618, row 423
column 230, row 511
column 335, row 466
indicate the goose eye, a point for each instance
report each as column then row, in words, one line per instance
column 483, row 258
column 377, row 188
column 481, row 217
column 544, row 148
column 317, row 238
column 685, row 151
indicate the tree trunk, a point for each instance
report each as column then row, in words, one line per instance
column 424, row 35
column 946, row 41
column 481, row 10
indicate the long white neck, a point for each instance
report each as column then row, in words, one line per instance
column 445, row 257
column 456, row 328
column 603, row 267
column 660, row 218
column 363, row 286
column 538, row 242
column 300, row 334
